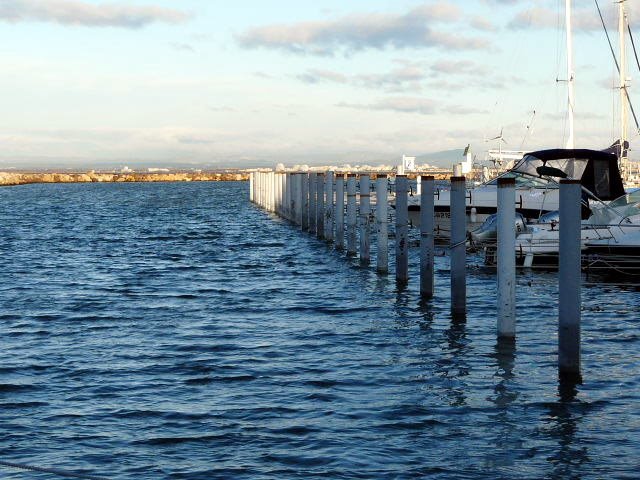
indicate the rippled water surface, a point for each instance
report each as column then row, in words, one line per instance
column 174, row 331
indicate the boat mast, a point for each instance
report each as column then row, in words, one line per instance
column 624, row 99
column 571, row 99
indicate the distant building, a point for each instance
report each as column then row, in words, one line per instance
column 408, row 165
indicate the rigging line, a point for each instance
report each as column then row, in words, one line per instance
column 633, row 43
column 615, row 59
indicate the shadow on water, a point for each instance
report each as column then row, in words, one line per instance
column 567, row 461
column 453, row 365
column 506, row 437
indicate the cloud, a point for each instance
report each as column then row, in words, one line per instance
column 460, row 67
column 422, row 106
column 483, row 24
column 182, row 47
column 366, row 31
column 82, row 13
column 400, row 79
column 546, row 18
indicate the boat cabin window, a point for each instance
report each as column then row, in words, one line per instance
column 525, row 181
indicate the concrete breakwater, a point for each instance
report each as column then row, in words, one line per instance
column 21, row 178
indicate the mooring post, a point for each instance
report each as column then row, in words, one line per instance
column 286, row 202
column 382, row 224
column 251, row 187
column 320, row 205
column 352, row 219
column 402, row 229
column 272, row 193
column 313, row 195
column 261, row 189
column 339, row 212
column 328, row 207
column 570, row 278
column 427, row 240
column 305, row 201
column 506, row 258
column 458, row 247
column 280, row 193
column 300, row 199
column 365, row 212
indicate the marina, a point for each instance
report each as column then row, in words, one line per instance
column 177, row 331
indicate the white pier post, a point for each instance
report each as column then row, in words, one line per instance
column 506, row 258
column 427, row 240
column 299, row 200
column 260, row 189
column 281, row 177
column 458, row 247
column 251, row 187
column 294, row 198
column 570, row 278
column 305, row 201
column 339, row 212
column 328, row 207
column 352, row 219
column 320, row 206
column 382, row 224
column 272, row 191
column 313, row 195
column 287, row 196
column 365, row 211
column 402, row 229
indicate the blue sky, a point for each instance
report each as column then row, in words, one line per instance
column 258, row 82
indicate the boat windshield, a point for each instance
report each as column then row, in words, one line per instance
column 525, row 181
column 622, row 207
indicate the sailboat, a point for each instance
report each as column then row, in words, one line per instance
column 536, row 192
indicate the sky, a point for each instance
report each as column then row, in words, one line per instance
column 257, row 82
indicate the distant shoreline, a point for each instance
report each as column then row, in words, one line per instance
column 14, row 179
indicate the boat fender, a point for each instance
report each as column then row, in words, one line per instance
column 473, row 216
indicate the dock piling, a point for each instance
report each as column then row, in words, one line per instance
column 339, row 212
column 570, row 278
column 427, row 240
column 402, row 229
column 305, row 201
column 382, row 224
column 320, row 206
column 458, row 247
column 365, row 211
column 313, row 196
column 506, row 258
column 328, row 207
column 352, row 219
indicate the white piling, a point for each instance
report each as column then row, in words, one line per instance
column 352, row 219
column 272, row 191
column 299, row 200
column 287, row 196
column 305, row 201
column 506, row 258
column 458, row 247
column 402, row 229
column 570, row 279
column 382, row 224
column 320, row 205
column 427, row 239
column 313, row 195
column 365, row 211
column 328, row 207
column 294, row 198
column 339, row 212
column 280, row 193
column 251, row 186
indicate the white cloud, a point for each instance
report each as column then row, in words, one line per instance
column 366, row 31
column 82, row 13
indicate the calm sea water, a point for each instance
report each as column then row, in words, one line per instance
column 174, row 331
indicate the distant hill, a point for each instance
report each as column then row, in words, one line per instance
column 444, row 158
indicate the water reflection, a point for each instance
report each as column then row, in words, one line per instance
column 507, row 438
column 453, row 365
column 571, row 454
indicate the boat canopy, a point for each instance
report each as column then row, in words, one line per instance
column 597, row 171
